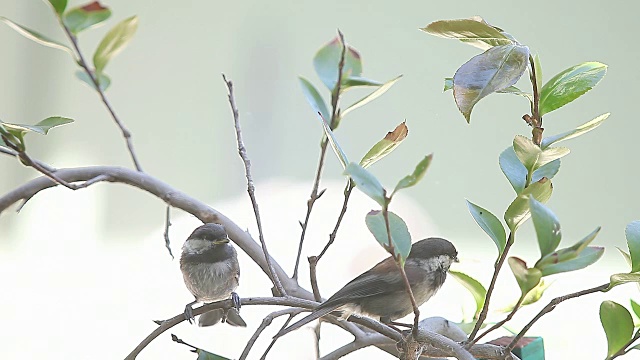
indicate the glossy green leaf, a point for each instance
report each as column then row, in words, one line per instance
column 114, row 42
column 518, row 211
column 527, row 278
column 635, row 307
column 547, row 227
column 385, row 146
column 35, row 36
column 205, row 355
column 585, row 258
column 417, row 175
column 327, row 59
column 475, row 32
column 567, row 253
column 625, row 255
column 352, row 81
column 367, row 183
column 569, row 85
column 490, row 224
column 582, row 129
column 475, row 288
column 400, row 237
column 617, row 324
column 58, row 5
column 314, row 98
column 532, row 156
column 103, row 80
column 334, row 143
column 11, row 137
column 83, row 17
column 619, row 279
column 513, row 169
column 493, row 70
column 41, row 127
column 632, row 233
column 548, row 170
column 374, row 95
column 448, row 85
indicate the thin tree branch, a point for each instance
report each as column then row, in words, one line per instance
column 503, row 321
column 313, row 263
column 552, row 305
column 332, row 237
column 126, row 134
column 335, row 115
column 273, row 341
column 355, row 345
column 167, row 241
column 251, row 188
column 265, row 323
column 485, row 309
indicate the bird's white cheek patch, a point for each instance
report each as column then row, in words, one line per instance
column 196, row 246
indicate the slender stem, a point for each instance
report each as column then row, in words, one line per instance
column 503, row 321
column 251, row 188
column 273, row 341
column 335, row 114
column 355, row 345
column 313, row 263
column 81, row 61
column 552, row 305
column 167, row 241
column 536, row 120
column 265, row 323
column 485, row 309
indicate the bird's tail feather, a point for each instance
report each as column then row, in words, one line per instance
column 316, row 314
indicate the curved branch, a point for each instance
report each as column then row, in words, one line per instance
column 265, row 322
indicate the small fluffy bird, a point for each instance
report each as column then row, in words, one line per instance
column 380, row 291
column 210, row 268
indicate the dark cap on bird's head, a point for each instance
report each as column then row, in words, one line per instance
column 432, row 247
column 210, row 231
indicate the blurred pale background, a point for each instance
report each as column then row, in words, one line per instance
column 83, row 273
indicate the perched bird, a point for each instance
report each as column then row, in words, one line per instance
column 380, row 291
column 210, row 268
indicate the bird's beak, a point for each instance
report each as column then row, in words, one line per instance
column 455, row 259
column 221, row 241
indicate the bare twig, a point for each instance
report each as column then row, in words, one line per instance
column 335, row 114
column 81, row 61
column 313, row 263
column 251, row 188
column 485, row 309
column 167, row 241
column 332, row 237
column 355, row 345
column 552, row 305
column 503, row 321
column 266, row 322
column 273, row 341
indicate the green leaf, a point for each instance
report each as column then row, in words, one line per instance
column 532, row 156
column 548, row 170
column 518, row 211
column 367, row 183
column 569, row 85
column 582, row 129
column 41, row 127
column 493, row 70
column 547, row 227
column 567, row 253
column 58, row 5
column 83, row 17
column 538, row 67
column 532, row 296
column 11, row 136
column 114, row 42
column 334, row 144
column 400, row 237
column 585, row 258
column 327, row 59
column 35, row 36
column 632, row 233
column 625, row 255
column 475, row 32
column 385, row 146
column 313, row 98
column 353, row 81
column 205, row 355
column 635, row 307
column 513, row 169
column 448, row 85
column 527, row 278
column 490, row 224
column 619, row 279
column 475, row 288
column 417, row 175
column 617, row 324
column 374, row 95
column 103, row 80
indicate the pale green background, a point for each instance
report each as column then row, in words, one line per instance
column 166, row 87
